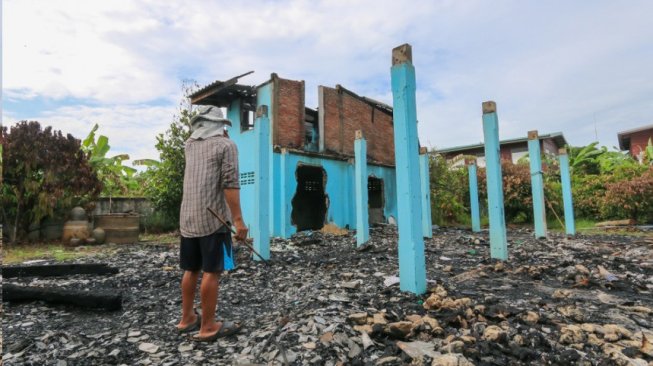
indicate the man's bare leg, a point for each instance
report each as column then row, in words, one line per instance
column 209, row 299
column 188, row 284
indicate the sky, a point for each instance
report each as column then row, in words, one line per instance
column 583, row 68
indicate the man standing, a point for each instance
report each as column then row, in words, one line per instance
column 211, row 179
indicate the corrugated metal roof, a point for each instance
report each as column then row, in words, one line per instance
column 558, row 137
column 634, row 130
column 221, row 93
column 624, row 142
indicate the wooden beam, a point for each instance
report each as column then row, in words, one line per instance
column 54, row 295
column 53, row 270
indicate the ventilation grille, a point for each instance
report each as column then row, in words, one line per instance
column 246, row 178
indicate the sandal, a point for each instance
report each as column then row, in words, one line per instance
column 227, row 329
column 193, row 326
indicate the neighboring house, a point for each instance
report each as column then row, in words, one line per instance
column 312, row 165
column 635, row 141
column 511, row 150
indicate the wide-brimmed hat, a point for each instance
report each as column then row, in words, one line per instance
column 209, row 113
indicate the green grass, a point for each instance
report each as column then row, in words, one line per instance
column 164, row 238
column 57, row 252
column 588, row 227
column 581, row 225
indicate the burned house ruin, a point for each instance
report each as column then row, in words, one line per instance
column 312, row 160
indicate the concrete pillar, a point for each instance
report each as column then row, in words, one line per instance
column 427, row 223
column 565, row 178
column 263, row 150
column 360, row 181
column 537, row 184
column 412, row 271
column 284, row 202
column 498, row 241
column 473, row 195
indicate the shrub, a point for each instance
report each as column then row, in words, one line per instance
column 44, row 173
column 449, row 192
column 629, row 198
column 605, row 185
column 157, row 223
column 517, row 200
column 553, row 192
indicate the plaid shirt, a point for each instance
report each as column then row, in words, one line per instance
column 211, row 166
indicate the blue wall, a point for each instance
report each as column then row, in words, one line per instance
column 246, row 160
column 339, row 189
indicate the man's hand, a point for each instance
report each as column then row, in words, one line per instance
column 241, row 230
column 232, row 196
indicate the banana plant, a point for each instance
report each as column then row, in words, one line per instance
column 648, row 153
column 584, row 159
column 117, row 178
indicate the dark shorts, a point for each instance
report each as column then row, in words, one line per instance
column 212, row 253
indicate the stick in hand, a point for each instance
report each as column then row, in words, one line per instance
column 247, row 244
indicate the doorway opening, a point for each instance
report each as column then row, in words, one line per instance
column 309, row 205
column 375, row 200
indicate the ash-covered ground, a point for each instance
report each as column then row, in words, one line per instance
column 586, row 300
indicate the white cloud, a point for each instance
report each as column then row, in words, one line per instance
column 64, row 48
column 131, row 129
column 554, row 66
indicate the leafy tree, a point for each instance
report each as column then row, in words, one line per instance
column 449, row 192
column 44, row 173
column 165, row 178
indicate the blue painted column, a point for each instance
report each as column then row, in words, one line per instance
column 565, row 179
column 427, row 223
column 537, row 184
column 360, row 181
column 262, row 154
column 473, row 195
column 284, row 208
column 412, row 271
column 498, row 241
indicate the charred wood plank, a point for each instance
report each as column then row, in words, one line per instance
column 52, row 270
column 85, row 299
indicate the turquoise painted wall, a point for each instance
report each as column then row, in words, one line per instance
column 246, row 160
column 339, row 189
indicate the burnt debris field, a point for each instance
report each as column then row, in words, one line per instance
column 321, row 301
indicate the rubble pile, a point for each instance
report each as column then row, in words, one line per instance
column 322, row 301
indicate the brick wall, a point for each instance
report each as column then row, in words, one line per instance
column 549, row 147
column 639, row 141
column 505, row 153
column 344, row 113
column 288, row 129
